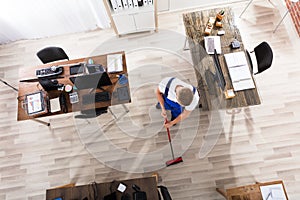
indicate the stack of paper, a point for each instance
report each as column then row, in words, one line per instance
column 273, row 192
column 54, row 105
column 211, row 43
column 114, row 63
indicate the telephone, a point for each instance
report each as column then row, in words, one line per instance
column 235, row 44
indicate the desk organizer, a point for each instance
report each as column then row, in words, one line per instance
column 220, row 15
column 209, row 25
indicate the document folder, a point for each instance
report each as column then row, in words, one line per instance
column 125, row 4
column 114, row 5
column 120, row 5
column 135, row 3
column 239, row 71
column 130, row 4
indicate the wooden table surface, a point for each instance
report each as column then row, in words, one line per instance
column 211, row 96
column 250, row 192
column 28, row 87
column 147, row 185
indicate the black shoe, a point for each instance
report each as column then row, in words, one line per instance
column 157, row 106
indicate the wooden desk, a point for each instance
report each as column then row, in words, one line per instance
column 211, row 96
column 32, row 85
column 248, row 192
column 147, row 185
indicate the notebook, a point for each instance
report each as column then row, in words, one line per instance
column 55, row 105
column 211, row 43
column 239, row 71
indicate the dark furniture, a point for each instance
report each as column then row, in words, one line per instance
column 100, row 190
column 264, row 56
column 50, row 54
column 29, row 84
column 211, row 95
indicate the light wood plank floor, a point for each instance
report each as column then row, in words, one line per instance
column 259, row 143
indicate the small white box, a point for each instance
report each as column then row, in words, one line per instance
column 121, row 187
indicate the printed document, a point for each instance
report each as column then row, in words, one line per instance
column 239, row 71
column 114, row 63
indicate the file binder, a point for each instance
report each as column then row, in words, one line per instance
column 145, row 2
column 130, row 4
column 114, row 5
column 150, row 2
column 125, row 4
column 120, row 5
column 135, row 3
column 140, row 2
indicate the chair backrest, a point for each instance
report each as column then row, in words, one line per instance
column 50, row 54
column 164, row 192
column 264, row 56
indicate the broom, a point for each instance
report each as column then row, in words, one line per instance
column 174, row 160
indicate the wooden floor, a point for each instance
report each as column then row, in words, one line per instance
column 259, row 143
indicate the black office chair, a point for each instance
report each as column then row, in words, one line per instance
column 164, row 193
column 264, row 57
column 50, row 54
column 92, row 113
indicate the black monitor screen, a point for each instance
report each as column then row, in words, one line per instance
column 96, row 80
column 219, row 73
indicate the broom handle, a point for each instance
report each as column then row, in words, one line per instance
column 168, row 131
column 169, row 136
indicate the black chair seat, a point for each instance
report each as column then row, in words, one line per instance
column 50, row 54
column 264, row 56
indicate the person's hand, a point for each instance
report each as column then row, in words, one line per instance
column 168, row 124
column 164, row 113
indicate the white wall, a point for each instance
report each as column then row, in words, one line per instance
column 30, row 19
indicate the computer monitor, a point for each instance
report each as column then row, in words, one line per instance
column 96, row 80
column 219, row 73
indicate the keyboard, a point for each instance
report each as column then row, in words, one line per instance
column 51, row 71
column 95, row 97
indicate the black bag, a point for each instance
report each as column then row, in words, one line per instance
column 48, row 84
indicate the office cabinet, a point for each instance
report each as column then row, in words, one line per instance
column 163, row 5
column 126, row 20
column 144, row 21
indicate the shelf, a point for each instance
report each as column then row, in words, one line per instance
column 134, row 19
column 131, row 11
